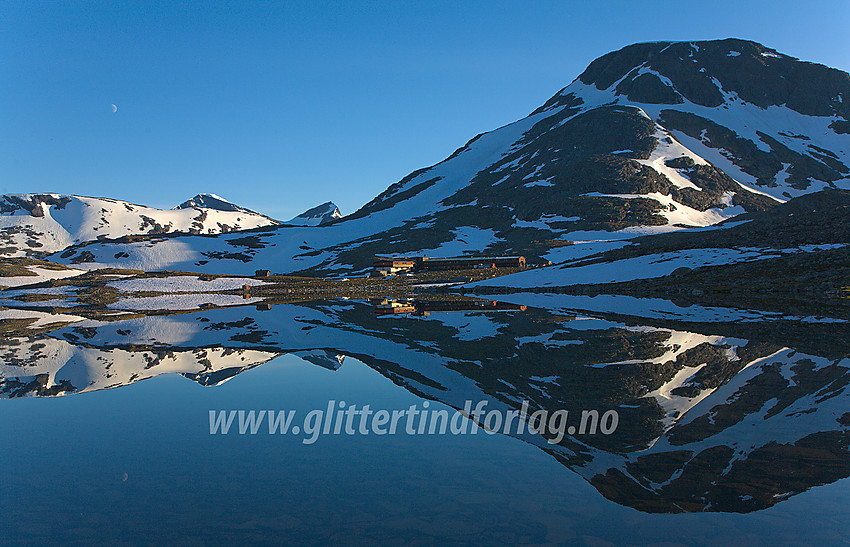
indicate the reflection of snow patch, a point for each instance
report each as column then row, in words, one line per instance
column 542, row 182
column 470, row 326
column 190, row 301
column 675, row 406
column 41, row 318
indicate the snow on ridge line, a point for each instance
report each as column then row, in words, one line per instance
column 459, row 170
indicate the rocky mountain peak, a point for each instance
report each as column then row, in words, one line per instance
column 319, row 215
column 708, row 74
column 212, row 201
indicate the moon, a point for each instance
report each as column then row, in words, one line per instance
column 114, row 109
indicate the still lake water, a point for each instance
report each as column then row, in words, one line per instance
column 732, row 431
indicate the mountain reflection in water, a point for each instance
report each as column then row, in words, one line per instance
column 733, row 415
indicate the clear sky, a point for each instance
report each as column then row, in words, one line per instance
column 280, row 106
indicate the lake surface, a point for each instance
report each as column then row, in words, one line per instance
column 715, row 425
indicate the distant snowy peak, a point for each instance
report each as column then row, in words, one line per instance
column 322, row 214
column 38, row 224
column 212, row 201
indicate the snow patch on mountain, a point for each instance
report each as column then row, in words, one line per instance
column 682, row 215
column 182, row 284
column 639, row 267
column 667, row 148
column 468, row 239
column 805, row 134
column 38, row 275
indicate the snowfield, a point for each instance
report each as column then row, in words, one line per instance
column 640, row 267
column 182, row 284
column 51, row 222
column 41, row 274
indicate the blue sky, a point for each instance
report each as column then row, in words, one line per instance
column 280, row 106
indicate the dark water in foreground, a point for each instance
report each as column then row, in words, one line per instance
column 732, row 429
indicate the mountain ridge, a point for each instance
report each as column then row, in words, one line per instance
column 591, row 163
column 38, row 224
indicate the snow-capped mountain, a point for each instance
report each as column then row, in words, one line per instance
column 770, row 121
column 317, row 216
column 652, row 138
column 39, row 224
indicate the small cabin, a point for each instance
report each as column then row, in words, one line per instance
column 472, row 262
column 387, row 266
column 262, row 273
column 382, row 266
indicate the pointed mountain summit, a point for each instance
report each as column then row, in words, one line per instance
column 212, row 201
column 317, row 216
